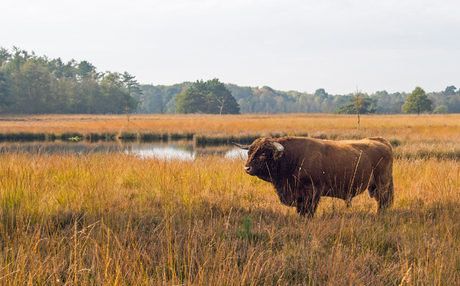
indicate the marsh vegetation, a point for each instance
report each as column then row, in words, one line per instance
column 118, row 219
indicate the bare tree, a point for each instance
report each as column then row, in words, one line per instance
column 222, row 101
column 127, row 111
column 358, row 101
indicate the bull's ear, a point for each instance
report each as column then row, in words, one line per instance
column 245, row 147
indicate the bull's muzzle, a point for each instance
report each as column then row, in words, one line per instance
column 247, row 169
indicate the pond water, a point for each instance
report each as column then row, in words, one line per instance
column 159, row 150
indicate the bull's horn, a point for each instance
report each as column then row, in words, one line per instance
column 245, row 147
column 278, row 146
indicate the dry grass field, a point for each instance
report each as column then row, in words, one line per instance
column 394, row 125
column 115, row 219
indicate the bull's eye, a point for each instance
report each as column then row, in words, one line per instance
column 262, row 155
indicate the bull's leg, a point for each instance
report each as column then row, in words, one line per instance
column 301, row 208
column 384, row 195
column 371, row 190
column 313, row 206
column 307, row 205
column 306, row 208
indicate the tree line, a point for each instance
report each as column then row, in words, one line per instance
column 31, row 84
column 162, row 99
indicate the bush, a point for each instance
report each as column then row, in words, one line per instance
column 442, row 109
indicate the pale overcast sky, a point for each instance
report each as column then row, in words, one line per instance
column 392, row 45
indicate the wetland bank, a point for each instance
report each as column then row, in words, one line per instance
column 111, row 218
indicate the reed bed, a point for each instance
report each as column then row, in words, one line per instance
column 117, row 219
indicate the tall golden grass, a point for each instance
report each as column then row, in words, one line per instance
column 111, row 219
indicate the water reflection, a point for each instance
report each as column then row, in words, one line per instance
column 162, row 151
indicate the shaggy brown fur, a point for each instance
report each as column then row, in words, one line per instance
column 307, row 169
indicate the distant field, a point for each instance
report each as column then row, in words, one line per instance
column 114, row 219
column 388, row 125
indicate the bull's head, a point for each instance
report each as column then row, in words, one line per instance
column 262, row 156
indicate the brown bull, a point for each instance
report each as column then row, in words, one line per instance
column 304, row 169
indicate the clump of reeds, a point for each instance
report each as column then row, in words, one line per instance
column 206, row 140
column 395, row 142
column 51, row 137
column 22, row 137
column 92, row 137
column 108, row 136
column 128, row 136
column 321, row 136
column 300, row 134
column 175, row 136
column 150, row 137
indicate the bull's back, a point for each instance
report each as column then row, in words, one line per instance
column 348, row 164
column 337, row 156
